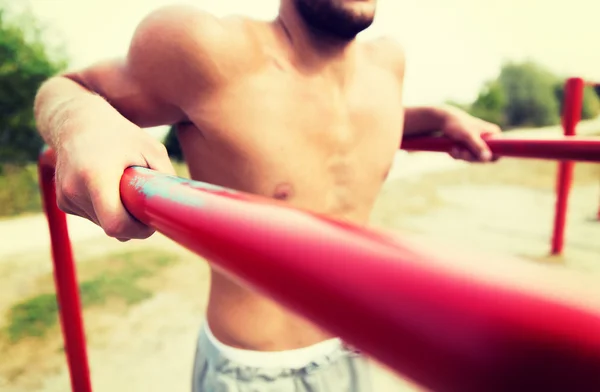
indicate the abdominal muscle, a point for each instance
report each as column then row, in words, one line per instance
column 245, row 319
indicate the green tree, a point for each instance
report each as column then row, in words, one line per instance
column 591, row 104
column 591, row 101
column 490, row 104
column 530, row 93
column 25, row 63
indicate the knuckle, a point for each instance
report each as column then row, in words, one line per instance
column 495, row 128
column 160, row 148
column 157, row 148
column 114, row 228
column 62, row 203
column 84, row 176
column 67, row 189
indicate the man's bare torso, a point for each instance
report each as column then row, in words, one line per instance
column 300, row 137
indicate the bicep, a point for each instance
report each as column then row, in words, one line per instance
column 177, row 56
column 113, row 80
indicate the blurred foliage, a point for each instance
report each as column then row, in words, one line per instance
column 530, row 93
column 527, row 94
column 491, row 104
column 19, row 191
column 591, row 101
column 26, row 61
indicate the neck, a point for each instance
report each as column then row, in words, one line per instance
column 315, row 51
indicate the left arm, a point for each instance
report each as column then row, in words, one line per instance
column 454, row 123
column 423, row 120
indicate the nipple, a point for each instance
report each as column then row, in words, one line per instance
column 283, row 191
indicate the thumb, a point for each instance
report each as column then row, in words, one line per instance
column 159, row 160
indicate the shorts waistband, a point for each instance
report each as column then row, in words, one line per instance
column 291, row 359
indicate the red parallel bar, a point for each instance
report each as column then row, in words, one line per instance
column 67, row 290
column 594, row 84
column 445, row 331
column 559, row 148
column 572, row 106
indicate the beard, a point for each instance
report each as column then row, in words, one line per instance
column 329, row 17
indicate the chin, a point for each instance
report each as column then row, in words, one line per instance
column 360, row 8
column 342, row 19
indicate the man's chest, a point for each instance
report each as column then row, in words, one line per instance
column 274, row 114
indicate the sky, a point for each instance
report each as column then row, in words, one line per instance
column 452, row 46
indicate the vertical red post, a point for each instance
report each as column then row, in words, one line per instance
column 596, row 86
column 599, row 213
column 571, row 114
column 67, row 290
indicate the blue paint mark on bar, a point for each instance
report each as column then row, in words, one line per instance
column 165, row 186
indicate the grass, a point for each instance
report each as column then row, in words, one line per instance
column 32, row 317
column 19, row 192
column 116, row 277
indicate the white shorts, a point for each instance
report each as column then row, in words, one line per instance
column 328, row 366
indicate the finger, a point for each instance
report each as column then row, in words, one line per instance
column 158, row 159
column 478, row 147
column 110, row 212
column 454, row 152
column 76, row 210
column 67, row 203
column 462, row 154
column 467, row 155
column 491, row 129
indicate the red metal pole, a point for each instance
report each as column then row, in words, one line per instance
column 573, row 102
column 560, row 148
column 67, row 290
column 595, row 85
column 599, row 213
column 446, row 331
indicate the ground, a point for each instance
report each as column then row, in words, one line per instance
column 142, row 330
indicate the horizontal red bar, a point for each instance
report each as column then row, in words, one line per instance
column 446, row 331
column 572, row 148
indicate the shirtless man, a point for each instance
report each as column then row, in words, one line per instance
column 294, row 109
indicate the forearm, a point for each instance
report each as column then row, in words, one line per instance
column 62, row 106
column 424, row 120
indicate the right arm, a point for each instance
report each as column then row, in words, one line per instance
column 93, row 118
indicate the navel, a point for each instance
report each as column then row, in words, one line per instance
column 283, row 191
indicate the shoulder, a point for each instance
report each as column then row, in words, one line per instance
column 184, row 25
column 386, row 52
column 190, row 41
